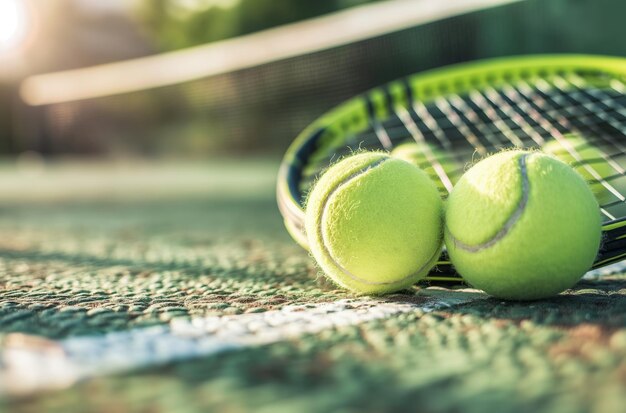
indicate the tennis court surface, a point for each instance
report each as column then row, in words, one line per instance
column 145, row 266
column 127, row 267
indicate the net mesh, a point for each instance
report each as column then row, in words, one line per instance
column 261, row 109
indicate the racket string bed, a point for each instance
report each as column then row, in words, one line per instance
column 430, row 160
column 486, row 126
column 462, row 124
column 521, row 120
column 606, row 108
column 525, row 116
column 557, row 126
column 478, row 119
column 383, row 136
column 601, row 137
column 457, row 120
column 481, row 129
column 581, row 112
column 579, row 121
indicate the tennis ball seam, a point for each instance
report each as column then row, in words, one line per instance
column 324, row 242
column 510, row 222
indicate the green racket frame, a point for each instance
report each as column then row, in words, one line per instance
column 329, row 132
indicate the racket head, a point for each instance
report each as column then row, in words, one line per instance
column 460, row 114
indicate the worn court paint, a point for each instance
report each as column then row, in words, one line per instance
column 34, row 363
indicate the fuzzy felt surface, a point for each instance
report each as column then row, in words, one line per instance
column 375, row 223
column 538, row 220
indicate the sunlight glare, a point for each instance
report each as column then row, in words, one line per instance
column 12, row 23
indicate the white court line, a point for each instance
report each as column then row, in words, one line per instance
column 333, row 30
column 30, row 363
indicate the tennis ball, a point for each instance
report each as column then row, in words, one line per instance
column 522, row 226
column 415, row 153
column 374, row 223
column 590, row 156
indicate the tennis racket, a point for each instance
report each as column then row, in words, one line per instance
column 462, row 113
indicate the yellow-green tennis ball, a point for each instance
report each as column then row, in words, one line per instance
column 415, row 153
column 522, row 226
column 374, row 223
column 590, row 156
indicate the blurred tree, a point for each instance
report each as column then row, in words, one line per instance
column 177, row 24
column 255, row 15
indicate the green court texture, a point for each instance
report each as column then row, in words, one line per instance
column 90, row 249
